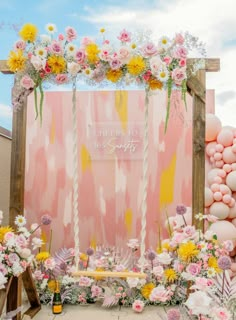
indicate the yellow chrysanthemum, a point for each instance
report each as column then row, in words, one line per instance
column 155, row 84
column 52, row 285
column 212, row 263
column 187, row 251
column 92, row 52
column 57, row 64
column 147, row 289
column 102, row 30
column 170, row 275
column 42, row 256
column 136, row 65
column 133, row 46
column 3, row 231
column 166, row 246
column 16, row 61
column 83, row 257
column 28, row 32
column 114, row 75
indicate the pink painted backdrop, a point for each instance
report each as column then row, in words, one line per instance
column 110, row 190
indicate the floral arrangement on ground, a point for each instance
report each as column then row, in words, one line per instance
column 190, row 269
column 130, row 58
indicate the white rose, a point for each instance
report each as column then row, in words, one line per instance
column 164, row 258
column 155, row 63
column 25, row 253
column 198, row 303
column 73, row 68
column 37, row 62
column 132, row 282
column 158, row 271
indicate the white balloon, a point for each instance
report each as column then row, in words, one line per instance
column 219, row 210
column 224, row 230
column 231, row 180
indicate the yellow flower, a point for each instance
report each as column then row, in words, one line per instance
column 52, row 285
column 92, row 51
column 147, row 289
column 212, row 263
column 187, row 251
column 3, row 231
column 83, row 257
column 28, row 32
column 170, row 275
column 99, row 270
column 57, row 64
column 114, row 75
column 155, row 84
column 102, row 30
column 42, row 256
column 133, row 46
column 16, row 61
column 136, row 65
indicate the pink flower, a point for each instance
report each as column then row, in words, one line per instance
column 9, row 236
column 193, row 268
column 124, row 54
column 21, row 241
column 149, row 50
column 86, row 40
column 179, row 39
column 167, row 60
column 115, row 64
column 13, row 258
column 105, row 53
column 158, row 271
column 71, row 34
column 85, row 281
column 61, row 37
column 26, row 82
column 61, row 78
column 173, row 314
column 96, row 291
column 180, row 52
column 160, row 293
column 198, row 303
column 56, row 47
column 50, row 263
column 221, row 313
column 147, row 75
column 228, row 245
column 201, row 284
column 189, row 231
column 124, row 36
column 138, row 306
column 155, row 63
column 178, row 75
column 20, row 45
column 37, row 62
column 80, row 55
column 182, row 62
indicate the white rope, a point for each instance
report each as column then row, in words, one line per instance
column 75, row 177
column 145, row 185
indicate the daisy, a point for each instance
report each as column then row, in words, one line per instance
column 164, row 42
column 88, row 72
column 41, row 52
column 51, row 28
column 211, row 273
column 20, row 221
column 163, row 74
column 70, row 49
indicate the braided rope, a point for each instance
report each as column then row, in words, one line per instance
column 75, row 177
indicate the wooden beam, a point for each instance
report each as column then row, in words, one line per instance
column 195, row 87
column 14, row 297
column 109, row 274
column 210, row 65
column 4, row 67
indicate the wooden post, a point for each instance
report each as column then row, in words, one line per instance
column 14, row 296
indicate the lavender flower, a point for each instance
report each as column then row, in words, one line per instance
column 173, row 314
column 181, row 209
column 90, row 251
column 224, row 262
column 46, row 219
column 151, row 255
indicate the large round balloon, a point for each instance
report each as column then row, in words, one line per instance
column 228, row 155
column 213, row 127
column 208, row 197
column 225, row 137
column 219, row 210
column 232, row 211
column 211, row 148
column 224, row 230
column 231, row 180
column 212, row 174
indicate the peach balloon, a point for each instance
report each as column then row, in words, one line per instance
column 232, row 203
column 227, row 168
column 218, row 180
column 218, row 156
column 219, row 164
column 232, row 212
column 217, row 196
column 233, row 149
column 219, row 210
column 212, row 159
column 225, row 189
column 208, row 197
column 228, row 155
column 211, row 175
column 219, row 147
column 233, row 166
column 225, row 137
column 215, row 187
column 234, row 222
column 213, row 127
column 211, row 148
column 227, row 198
column 231, row 180
column 221, row 173
column 224, row 230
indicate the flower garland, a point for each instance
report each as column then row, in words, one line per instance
column 154, row 66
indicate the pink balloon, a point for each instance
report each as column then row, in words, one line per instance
column 217, row 196
column 213, row 127
column 208, row 197
column 228, row 155
column 226, row 198
column 215, row 187
column 232, row 203
column 212, row 159
column 234, row 141
column 233, row 166
column 218, row 180
column 225, row 137
column 234, row 222
column 220, row 210
column 222, row 173
column 224, row 230
column 231, row 180
column 224, row 189
column 235, row 134
column 218, row 156
column 211, row 175
column 211, row 146
column 233, row 148
column 219, row 164
column 227, row 168
column 219, row 147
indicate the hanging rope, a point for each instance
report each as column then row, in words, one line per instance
column 145, row 184
column 75, row 176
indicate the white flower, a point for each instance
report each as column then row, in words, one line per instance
column 211, row 273
column 164, row 42
column 158, row 271
column 155, row 64
column 208, row 235
column 37, row 243
column 37, row 62
column 25, row 253
column 67, row 280
column 132, row 282
column 17, row 269
column 164, row 258
column 45, row 39
column 43, row 284
column 20, row 221
column 50, row 263
column 51, row 28
column 163, row 74
column 88, row 72
column 70, row 49
column 24, row 232
column 3, row 280
column 41, row 52
column 133, row 243
column 198, row 303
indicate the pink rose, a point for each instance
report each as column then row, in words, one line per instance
column 13, row 258
column 105, row 53
column 180, row 52
column 149, row 50
column 61, row 78
column 61, row 37
column 221, row 313
column 106, row 42
column 124, row 36
column 37, row 62
column 38, row 275
column 124, row 54
column 189, row 231
column 138, row 306
column 193, row 268
column 115, row 64
column 85, row 281
column 96, row 291
column 182, row 62
column 158, row 271
column 155, row 63
column 20, row 45
column 50, row 263
column 8, row 236
column 86, row 40
column 178, row 75
column 160, row 293
column 56, row 47
column 179, row 39
column 167, row 60
column 21, row 241
column 71, row 34
column 26, row 82
column 80, row 56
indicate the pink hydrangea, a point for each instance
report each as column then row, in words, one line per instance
column 138, row 306
column 96, row 291
column 173, row 314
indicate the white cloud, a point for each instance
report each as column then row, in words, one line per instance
column 5, row 111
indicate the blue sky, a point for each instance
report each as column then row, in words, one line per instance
column 216, row 29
